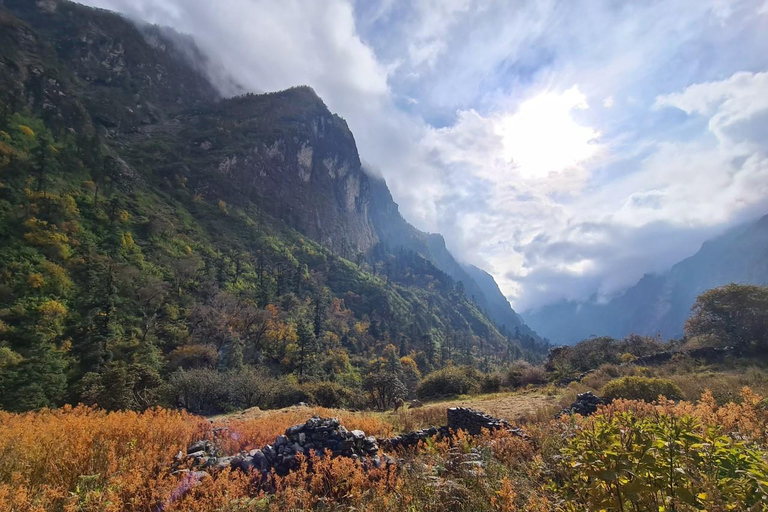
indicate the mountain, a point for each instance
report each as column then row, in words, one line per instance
column 660, row 303
column 396, row 233
column 149, row 225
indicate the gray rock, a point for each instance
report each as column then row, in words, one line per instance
column 248, row 464
column 269, row 452
column 223, row 463
column 198, row 446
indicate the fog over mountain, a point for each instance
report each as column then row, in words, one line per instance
column 567, row 167
column 659, row 304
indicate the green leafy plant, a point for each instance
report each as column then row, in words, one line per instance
column 622, row 462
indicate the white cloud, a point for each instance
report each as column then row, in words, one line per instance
column 608, row 102
column 734, row 106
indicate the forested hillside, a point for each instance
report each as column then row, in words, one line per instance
column 163, row 245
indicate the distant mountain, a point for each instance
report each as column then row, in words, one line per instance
column 660, row 303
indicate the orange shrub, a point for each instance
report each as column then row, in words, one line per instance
column 84, row 459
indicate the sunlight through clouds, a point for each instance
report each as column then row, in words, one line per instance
column 542, row 137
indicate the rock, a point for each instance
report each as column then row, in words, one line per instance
column 269, row 452
column 326, row 435
column 585, row 404
column 198, row 446
column 223, row 463
column 414, row 404
column 248, row 464
column 260, row 460
column 293, row 432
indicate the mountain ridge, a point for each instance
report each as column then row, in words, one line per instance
column 161, row 227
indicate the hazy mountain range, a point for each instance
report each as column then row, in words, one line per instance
column 660, row 303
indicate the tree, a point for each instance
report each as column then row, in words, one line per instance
column 734, row 315
column 307, row 348
column 383, row 388
column 411, row 374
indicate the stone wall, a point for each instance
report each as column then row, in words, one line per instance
column 318, row 435
column 459, row 418
column 326, row 436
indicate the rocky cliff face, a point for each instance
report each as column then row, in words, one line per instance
column 660, row 304
column 298, row 159
column 126, row 76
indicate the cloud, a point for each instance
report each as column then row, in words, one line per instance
column 736, row 107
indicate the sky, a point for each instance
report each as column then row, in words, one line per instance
column 566, row 147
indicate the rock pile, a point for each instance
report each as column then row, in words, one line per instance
column 459, row 418
column 317, row 434
column 326, row 435
column 473, row 422
column 411, row 439
column 585, row 404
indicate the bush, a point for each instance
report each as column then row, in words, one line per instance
column 332, row 395
column 199, row 391
column 286, row 392
column 515, row 373
column 641, row 388
column 119, row 387
column 535, row 375
column 448, row 382
column 490, row 383
column 249, row 388
column 384, row 389
column 659, row 462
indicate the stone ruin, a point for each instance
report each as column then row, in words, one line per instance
column 585, row 404
column 318, row 435
column 459, row 418
column 327, row 435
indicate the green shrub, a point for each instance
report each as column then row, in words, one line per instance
column 249, row 388
column 641, row 388
column 659, row 462
column 490, row 383
column 286, row 392
column 332, row 395
column 200, row 391
column 448, row 382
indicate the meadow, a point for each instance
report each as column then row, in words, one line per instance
column 701, row 454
